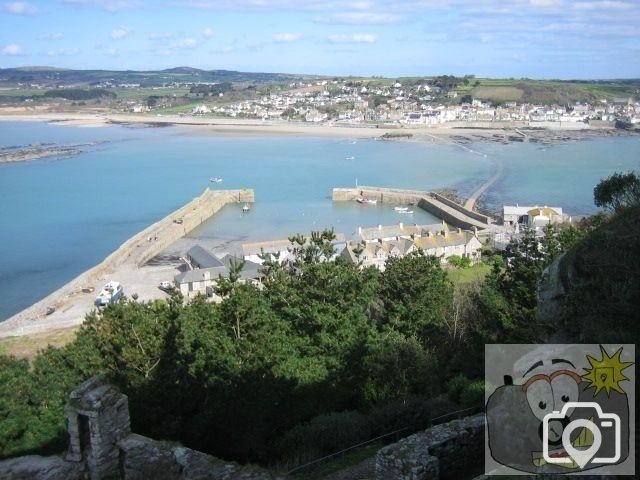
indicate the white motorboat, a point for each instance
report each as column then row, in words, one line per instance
column 246, row 208
column 406, row 212
column 351, row 157
column 215, row 179
column 401, row 209
column 110, row 293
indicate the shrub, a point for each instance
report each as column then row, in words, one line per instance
column 323, row 435
column 473, row 394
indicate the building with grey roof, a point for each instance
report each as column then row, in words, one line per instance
column 207, row 269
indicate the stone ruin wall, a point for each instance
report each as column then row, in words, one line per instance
column 453, row 447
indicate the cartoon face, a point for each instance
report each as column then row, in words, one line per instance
column 546, row 422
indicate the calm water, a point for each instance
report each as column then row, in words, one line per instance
column 59, row 217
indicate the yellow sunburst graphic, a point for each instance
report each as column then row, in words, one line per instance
column 606, row 373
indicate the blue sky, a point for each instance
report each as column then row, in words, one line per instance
column 495, row 38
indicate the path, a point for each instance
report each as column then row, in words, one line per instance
column 473, row 198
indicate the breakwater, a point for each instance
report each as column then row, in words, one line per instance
column 451, row 212
column 131, row 255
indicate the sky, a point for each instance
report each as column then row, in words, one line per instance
column 489, row 38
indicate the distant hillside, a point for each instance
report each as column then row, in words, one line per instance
column 561, row 92
column 51, row 76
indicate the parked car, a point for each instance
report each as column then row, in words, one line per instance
column 165, row 286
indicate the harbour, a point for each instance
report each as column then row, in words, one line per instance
column 67, row 306
column 133, row 177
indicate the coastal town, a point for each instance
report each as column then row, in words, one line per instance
column 352, row 102
column 438, row 101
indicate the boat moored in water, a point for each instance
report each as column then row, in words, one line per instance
column 401, row 209
column 366, row 201
column 215, row 179
column 246, row 208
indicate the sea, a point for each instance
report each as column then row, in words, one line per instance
column 61, row 216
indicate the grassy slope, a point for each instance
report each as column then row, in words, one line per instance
column 548, row 91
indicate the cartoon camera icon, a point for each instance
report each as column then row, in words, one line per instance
column 581, row 449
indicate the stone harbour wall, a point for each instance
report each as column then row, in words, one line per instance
column 456, row 446
column 383, row 195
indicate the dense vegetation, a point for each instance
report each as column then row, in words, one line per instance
column 79, row 93
column 323, row 356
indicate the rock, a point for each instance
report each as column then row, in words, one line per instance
column 142, row 458
column 35, row 467
column 451, row 447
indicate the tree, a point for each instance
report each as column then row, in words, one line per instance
column 618, row 191
column 417, row 295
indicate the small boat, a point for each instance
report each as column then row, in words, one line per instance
column 406, row 212
column 215, row 179
column 367, row 201
column 401, row 209
column 246, row 208
column 350, row 158
column 110, row 293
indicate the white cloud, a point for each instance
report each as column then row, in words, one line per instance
column 186, row 43
column 109, row 5
column 50, row 36
column 19, row 8
column 286, row 37
column 160, row 35
column 602, row 5
column 545, row 3
column 355, row 38
column 207, row 33
column 362, row 18
column 120, row 33
column 224, row 50
column 12, row 49
column 66, row 52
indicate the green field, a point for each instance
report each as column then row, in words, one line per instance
column 548, row 91
column 470, row 274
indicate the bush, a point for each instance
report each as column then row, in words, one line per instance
column 414, row 412
column 456, row 386
column 459, row 262
column 473, row 394
column 323, row 435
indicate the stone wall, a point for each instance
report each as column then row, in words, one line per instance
column 454, row 447
column 475, row 215
column 450, row 216
column 383, row 195
column 102, row 447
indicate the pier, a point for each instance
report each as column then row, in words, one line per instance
column 72, row 304
column 454, row 214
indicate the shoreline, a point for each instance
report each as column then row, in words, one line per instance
column 28, row 322
column 455, row 132
column 71, row 302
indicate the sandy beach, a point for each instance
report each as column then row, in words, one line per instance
column 456, row 132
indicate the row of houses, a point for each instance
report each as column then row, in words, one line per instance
column 372, row 247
